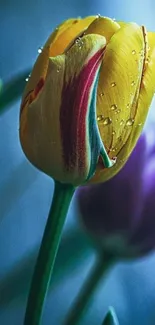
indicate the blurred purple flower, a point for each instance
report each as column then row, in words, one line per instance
column 120, row 214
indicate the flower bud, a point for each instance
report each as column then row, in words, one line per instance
column 119, row 214
column 87, row 98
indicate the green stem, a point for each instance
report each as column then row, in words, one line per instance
column 45, row 262
column 99, row 270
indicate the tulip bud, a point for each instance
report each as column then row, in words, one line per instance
column 119, row 214
column 86, row 101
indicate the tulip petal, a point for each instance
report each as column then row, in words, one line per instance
column 65, row 37
column 146, row 92
column 118, row 91
column 122, row 23
column 103, row 26
column 59, row 130
column 55, row 45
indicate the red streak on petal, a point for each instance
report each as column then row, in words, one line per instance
column 73, row 111
column 32, row 94
column 38, row 87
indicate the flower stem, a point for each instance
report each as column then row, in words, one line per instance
column 99, row 270
column 45, row 262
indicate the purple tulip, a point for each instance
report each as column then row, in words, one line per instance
column 120, row 213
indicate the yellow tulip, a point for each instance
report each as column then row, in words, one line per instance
column 87, row 99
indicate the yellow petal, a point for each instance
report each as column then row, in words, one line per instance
column 39, row 124
column 68, row 34
column 103, row 26
column 43, row 134
column 121, row 23
column 118, row 91
column 147, row 90
column 55, row 45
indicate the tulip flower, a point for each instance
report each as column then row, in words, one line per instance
column 119, row 214
column 119, row 217
column 82, row 113
column 87, row 99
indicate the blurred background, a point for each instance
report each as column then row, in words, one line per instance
column 25, row 193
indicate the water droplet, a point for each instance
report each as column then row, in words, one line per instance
column 77, row 40
column 121, row 122
column 113, row 84
column 139, row 124
column 117, row 111
column 113, row 149
column 27, row 78
column 128, row 105
column 113, row 160
column 133, row 52
column 130, row 122
column 107, row 121
column 100, row 117
column 98, row 16
column 147, row 60
column 104, row 120
column 113, row 132
column 40, row 49
column 114, row 19
column 113, row 107
column 133, row 83
column 101, row 94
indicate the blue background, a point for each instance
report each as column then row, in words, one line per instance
column 25, row 193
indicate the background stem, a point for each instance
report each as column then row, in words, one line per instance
column 99, row 270
column 62, row 197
